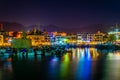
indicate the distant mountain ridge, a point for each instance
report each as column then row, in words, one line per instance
column 92, row 28
column 12, row 26
column 49, row 28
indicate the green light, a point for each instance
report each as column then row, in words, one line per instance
column 65, row 66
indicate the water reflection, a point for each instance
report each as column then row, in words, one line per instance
column 65, row 64
column 77, row 64
column 84, row 70
column 114, row 56
column 53, row 65
column 1, row 74
column 6, row 69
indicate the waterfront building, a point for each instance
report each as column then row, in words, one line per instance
column 10, row 33
column 84, row 38
column 3, row 37
column 58, row 38
column 59, row 33
column 36, row 39
column 116, row 33
column 19, row 34
column 1, row 40
column 98, row 38
column 90, row 38
column 71, row 39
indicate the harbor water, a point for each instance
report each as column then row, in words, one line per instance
column 76, row 64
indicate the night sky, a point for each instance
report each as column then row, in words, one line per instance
column 63, row 13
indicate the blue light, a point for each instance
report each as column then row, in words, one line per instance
column 84, row 67
column 54, row 59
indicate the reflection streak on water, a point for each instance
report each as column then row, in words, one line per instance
column 84, row 65
column 82, row 54
column 6, row 69
column 112, row 66
column 114, row 56
column 73, row 53
column 87, row 53
column 81, row 63
column 64, row 66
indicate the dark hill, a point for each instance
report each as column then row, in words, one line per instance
column 12, row 26
column 48, row 28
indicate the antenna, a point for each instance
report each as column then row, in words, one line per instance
column 116, row 31
column 116, row 26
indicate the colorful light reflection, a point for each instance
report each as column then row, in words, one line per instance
column 64, row 66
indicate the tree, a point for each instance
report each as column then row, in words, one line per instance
column 112, row 38
column 24, row 34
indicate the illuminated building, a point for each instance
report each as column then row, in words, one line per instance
column 10, row 33
column 84, row 38
column 59, row 33
column 9, row 36
column 3, row 37
column 71, row 39
column 90, row 38
column 4, row 41
column 52, row 39
column 98, row 37
column 36, row 39
column 1, row 40
column 60, row 40
column 116, row 32
column 19, row 35
column 64, row 39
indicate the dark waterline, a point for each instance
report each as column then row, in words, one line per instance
column 81, row 64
